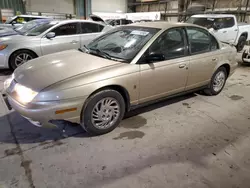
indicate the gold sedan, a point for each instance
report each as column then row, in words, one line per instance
column 125, row 68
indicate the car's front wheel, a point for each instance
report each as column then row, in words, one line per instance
column 103, row 112
column 20, row 57
column 218, row 82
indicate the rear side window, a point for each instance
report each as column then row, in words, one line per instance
column 199, row 40
column 66, row 29
column 225, row 22
column 91, row 28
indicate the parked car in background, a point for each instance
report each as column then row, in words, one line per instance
column 51, row 37
column 117, row 22
column 123, row 69
column 20, row 20
column 225, row 27
column 21, row 30
column 246, row 56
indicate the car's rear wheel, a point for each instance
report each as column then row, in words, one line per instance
column 20, row 57
column 103, row 112
column 218, row 82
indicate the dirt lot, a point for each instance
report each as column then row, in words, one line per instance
column 191, row 141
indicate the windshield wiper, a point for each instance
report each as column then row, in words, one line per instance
column 101, row 53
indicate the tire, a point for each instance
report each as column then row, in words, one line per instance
column 15, row 58
column 241, row 43
column 93, row 110
column 212, row 89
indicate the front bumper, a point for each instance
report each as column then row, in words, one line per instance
column 4, row 59
column 43, row 114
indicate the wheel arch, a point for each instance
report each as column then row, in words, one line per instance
column 227, row 67
column 245, row 34
column 123, row 91
column 12, row 53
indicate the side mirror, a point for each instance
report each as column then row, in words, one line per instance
column 50, row 35
column 155, row 57
column 13, row 23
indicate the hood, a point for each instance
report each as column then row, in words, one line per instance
column 42, row 72
column 7, row 32
column 16, row 38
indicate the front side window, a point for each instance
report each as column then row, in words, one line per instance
column 91, row 28
column 66, row 29
column 171, row 44
column 123, row 42
column 199, row 40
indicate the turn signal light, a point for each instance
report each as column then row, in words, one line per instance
column 3, row 46
column 66, row 110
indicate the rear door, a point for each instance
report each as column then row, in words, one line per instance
column 204, row 55
column 67, row 37
column 89, row 31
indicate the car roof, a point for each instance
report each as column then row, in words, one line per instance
column 162, row 24
column 78, row 20
column 32, row 16
column 212, row 15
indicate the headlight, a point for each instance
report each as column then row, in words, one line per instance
column 25, row 95
column 8, row 81
column 3, row 46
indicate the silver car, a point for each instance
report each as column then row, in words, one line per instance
column 48, row 38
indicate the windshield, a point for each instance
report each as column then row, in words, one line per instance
column 225, row 22
column 9, row 20
column 123, row 43
column 40, row 29
column 28, row 26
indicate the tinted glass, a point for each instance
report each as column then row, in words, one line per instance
column 171, row 44
column 66, row 29
column 209, row 22
column 199, row 40
column 91, row 28
column 123, row 42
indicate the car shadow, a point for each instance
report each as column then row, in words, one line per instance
column 26, row 133
column 5, row 72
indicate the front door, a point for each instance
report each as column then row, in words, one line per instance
column 162, row 78
column 66, row 38
column 204, row 55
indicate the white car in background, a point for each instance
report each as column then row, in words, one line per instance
column 225, row 27
column 19, row 20
column 51, row 37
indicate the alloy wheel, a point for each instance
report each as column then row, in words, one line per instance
column 22, row 58
column 105, row 113
column 219, row 81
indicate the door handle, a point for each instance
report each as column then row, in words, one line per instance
column 236, row 30
column 214, row 59
column 74, row 42
column 224, row 31
column 182, row 66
